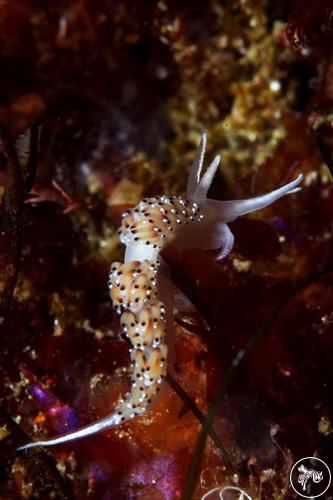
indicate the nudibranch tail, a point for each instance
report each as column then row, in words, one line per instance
column 134, row 290
column 100, row 425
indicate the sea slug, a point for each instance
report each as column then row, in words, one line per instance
column 135, row 286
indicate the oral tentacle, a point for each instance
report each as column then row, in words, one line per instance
column 227, row 211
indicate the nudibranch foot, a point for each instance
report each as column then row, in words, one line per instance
column 140, row 287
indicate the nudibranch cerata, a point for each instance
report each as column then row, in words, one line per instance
column 135, row 284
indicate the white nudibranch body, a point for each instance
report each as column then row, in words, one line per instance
column 145, row 230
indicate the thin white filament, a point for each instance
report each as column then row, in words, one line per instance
column 100, row 425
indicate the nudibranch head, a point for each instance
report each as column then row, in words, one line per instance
column 214, row 232
column 153, row 223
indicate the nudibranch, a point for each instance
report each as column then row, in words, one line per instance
column 135, row 286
